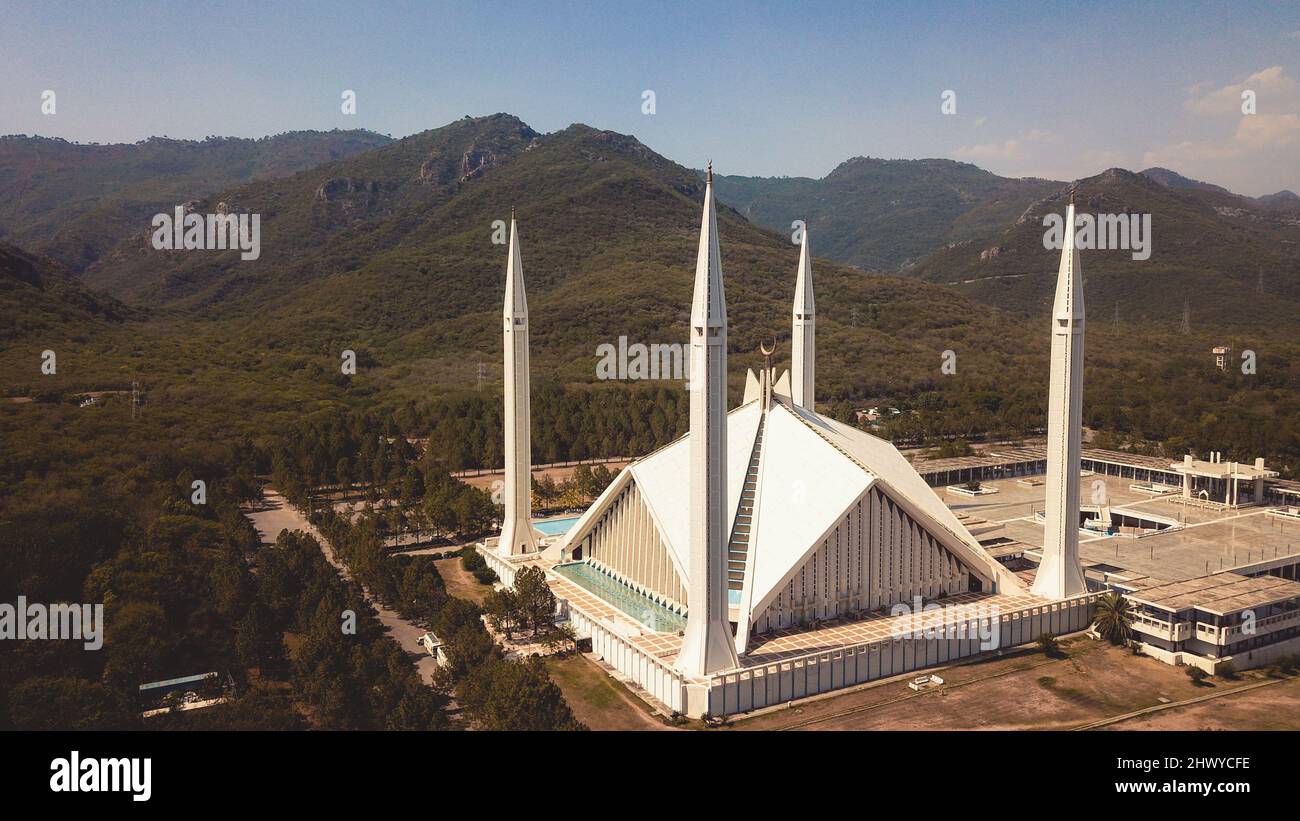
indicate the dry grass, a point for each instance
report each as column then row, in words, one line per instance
column 598, row 700
column 1026, row 692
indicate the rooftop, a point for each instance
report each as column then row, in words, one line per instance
column 1219, row 593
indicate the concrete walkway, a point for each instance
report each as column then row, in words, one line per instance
column 277, row 514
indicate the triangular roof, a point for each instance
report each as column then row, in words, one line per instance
column 811, row 470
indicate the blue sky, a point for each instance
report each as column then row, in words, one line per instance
column 793, row 88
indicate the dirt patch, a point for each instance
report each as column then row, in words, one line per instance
column 1266, row 708
column 1030, row 691
column 557, row 474
column 460, row 583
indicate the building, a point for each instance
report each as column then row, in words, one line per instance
column 1218, row 619
column 773, row 553
column 1221, row 354
column 1219, row 483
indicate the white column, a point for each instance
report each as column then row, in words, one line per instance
column 803, row 352
column 517, row 535
column 708, row 646
column 1060, row 575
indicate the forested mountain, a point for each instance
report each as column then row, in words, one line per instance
column 38, row 296
column 1233, row 260
column 884, row 215
column 71, row 201
column 391, row 251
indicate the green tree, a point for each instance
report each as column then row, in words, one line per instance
column 536, row 602
column 1114, row 618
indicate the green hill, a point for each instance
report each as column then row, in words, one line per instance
column 883, row 215
column 71, row 201
column 1233, row 260
column 39, row 297
column 391, row 251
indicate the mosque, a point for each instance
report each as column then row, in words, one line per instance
column 773, row 553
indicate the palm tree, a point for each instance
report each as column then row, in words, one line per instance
column 1114, row 621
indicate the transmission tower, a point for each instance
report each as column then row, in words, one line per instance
column 1187, row 318
column 135, row 398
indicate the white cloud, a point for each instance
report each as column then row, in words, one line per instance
column 1010, row 149
column 1265, row 130
column 1250, row 153
column 1271, row 86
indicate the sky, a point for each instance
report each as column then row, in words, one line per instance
column 1046, row 89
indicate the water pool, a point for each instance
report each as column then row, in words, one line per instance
column 645, row 610
column 555, row 527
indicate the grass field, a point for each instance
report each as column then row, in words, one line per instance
column 596, row 699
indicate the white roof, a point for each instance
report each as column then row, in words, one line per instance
column 663, row 477
column 812, row 469
column 805, row 485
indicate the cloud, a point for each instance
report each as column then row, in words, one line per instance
column 1251, row 153
column 1266, row 130
column 1271, row 86
column 1010, row 149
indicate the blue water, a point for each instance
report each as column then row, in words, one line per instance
column 637, row 605
column 555, row 527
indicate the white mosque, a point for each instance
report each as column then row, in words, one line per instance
column 765, row 555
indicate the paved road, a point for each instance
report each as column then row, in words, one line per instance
column 277, row 514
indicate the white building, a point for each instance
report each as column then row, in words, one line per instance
column 762, row 556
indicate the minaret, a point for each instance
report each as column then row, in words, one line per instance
column 517, row 535
column 1059, row 574
column 708, row 645
column 803, row 351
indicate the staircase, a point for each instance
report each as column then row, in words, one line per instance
column 738, row 547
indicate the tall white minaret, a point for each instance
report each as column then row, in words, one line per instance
column 517, row 535
column 803, row 351
column 1060, row 575
column 708, row 645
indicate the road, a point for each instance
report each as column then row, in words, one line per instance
column 277, row 514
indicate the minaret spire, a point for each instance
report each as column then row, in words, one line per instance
column 1059, row 574
column 708, row 645
column 517, row 535
column 803, row 352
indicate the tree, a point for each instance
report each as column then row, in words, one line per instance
column 516, row 695
column 502, row 608
column 257, row 642
column 600, row 479
column 1114, row 618
column 1196, row 674
column 1049, row 645
column 536, row 601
